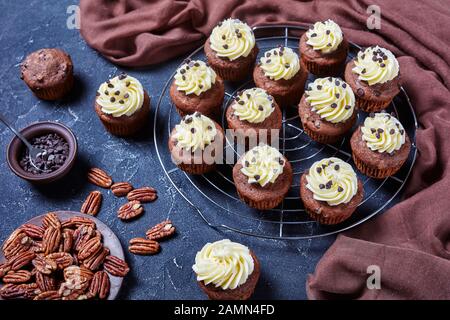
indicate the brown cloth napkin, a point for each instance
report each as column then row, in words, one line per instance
column 411, row 241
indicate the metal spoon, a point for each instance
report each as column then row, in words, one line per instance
column 33, row 152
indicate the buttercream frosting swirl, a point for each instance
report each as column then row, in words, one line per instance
column 121, row 95
column 232, row 39
column 253, row 105
column 331, row 98
column 332, row 180
column 376, row 65
column 224, row 264
column 325, row 36
column 383, row 133
column 194, row 77
column 262, row 164
column 195, row 132
column 280, row 63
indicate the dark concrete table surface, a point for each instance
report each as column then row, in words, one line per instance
column 38, row 24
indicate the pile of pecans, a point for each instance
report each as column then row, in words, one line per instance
column 130, row 210
column 58, row 261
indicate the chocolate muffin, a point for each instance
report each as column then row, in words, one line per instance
column 262, row 177
column 253, row 115
column 196, row 144
column 374, row 77
column 197, row 88
column 380, row 146
column 122, row 105
column 331, row 191
column 48, row 73
column 327, row 110
column 231, row 49
column 280, row 74
column 227, row 270
column 323, row 49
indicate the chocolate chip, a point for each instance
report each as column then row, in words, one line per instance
column 183, row 78
column 319, row 87
column 344, row 85
column 257, row 177
column 281, row 48
column 223, row 37
column 197, row 64
column 330, row 79
column 360, row 92
column 210, row 128
column 241, row 102
column 324, row 166
column 333, row 105
column 363, row 71
column 402, row 131
column 336, row 167
column 328, row 44
column 106, row 92
column 188, row 120
column 372, row 114
column 347, row 107
column 313, row 35
column 378, row 135
column 382, row 65
column 200, row 86
column 268, row 61
column 127, row 83
column 373, row 130
column 340, row 189
column 193, row 130
column 239, row 35
column 337, row 95
column 122, row 76
column 197, row 114
column 225, row 46
column 287, row 65
column 321, row 186
column 248, row 95
column 328, row 32
column 182, row 71
column 97, row 93
column 268, row 54
column 374, row 58
column 363, row 56
column 392, row 131
column 385, row 57
column 275, row 53
column 246, row 163
column 319, row 169
column 126, row 95
column 110, row 85
column 329, row 184
column 337, row 82
column 112, row 99
column 260, row 108
column 117, row 92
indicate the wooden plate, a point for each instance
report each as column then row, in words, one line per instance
column 110, row 241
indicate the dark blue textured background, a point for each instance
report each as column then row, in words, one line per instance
column 168, row 275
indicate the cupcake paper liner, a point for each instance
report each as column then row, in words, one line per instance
column 192, row 168
column 262, row 204
column 231, row 74
column 323, row 70
column 321, row 138
column 374, row 172
column 371, row 106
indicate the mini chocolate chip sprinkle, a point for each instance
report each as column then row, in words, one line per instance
column 382, row 65
column 97, row 93
column 270, row 98
column 402, row 131
column 329, row 184
column 224, row 37
column 239, row 35
column 280, row 54
column 117, row 92
column 268, row 61
column 385, row 57
column 319, row 169
column 127, row 83
column 275, row 53
column 363, row 71
column 268, row 54
column 337, row 95
column 280, row 161
column 347, row 107
column 246, row 164
column 330, row 79
column 373, row 130
column 225, row 46
column 324, row 166
column 126, row 95
column 122, row 76
column 257, row 177
column 210, row 128
column 260, row 108
column 392, row 131
column 112, row 99
column 337, row 82
column 380, row 130
column 287, row 65
column 328, row 32
column 193, row 130
column 363, row 56
column 121, row 101
column 237, row 99
column 200, row 86
column 197, row 64
column 248, row 95
column 344, row 85
column 378, row 135
column 183, row 77
column 182, row 71
column 374, row 58
column 188, row 120
column 236, row 31
column 340, row 189
column 328, row 44
column 321, row 186
column 107, row 92
column 319, row 87
column 333, row 105
column 372, row 115
column 337, row 167
column 241, row 102
column 187, row 68
column 313, row 35
column 110, row 85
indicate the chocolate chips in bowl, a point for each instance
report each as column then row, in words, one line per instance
column 60, row 145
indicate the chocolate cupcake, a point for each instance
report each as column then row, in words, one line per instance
column 374, row 78
column 262, row 177
column 253, row 116
column 122, row 105
column 227, row 270
column 380, row 146
column 48, row 73
column 196, row 144
column 231, row 49
column 196, row 87
column 327, row 109
column 323, row 49
column 280, row 74
column 331, row 191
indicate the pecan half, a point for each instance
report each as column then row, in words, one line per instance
column 51, row 240
column 130, row 210
column 92, row 203
column 62, row 259
column 67, row 240
column 20, row 276
column 99, row 178
column 82, row 235
column 100, row 285
column 75, row 222
column 45, row 282
column 51, row 220
column 44, row 265
column 21, row 260
column 72, row 288
column 95, row 261
column 162, row 230
column 19, row 291
column 121, row 189
column 144, row 194
column 90, row 248
column 4, row 268
column 18, row 242
column 32, row 230
column 48, row 295
column 143, row 246
column 116, row 266
column 84, row 274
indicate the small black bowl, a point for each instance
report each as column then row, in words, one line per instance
column 16, row 147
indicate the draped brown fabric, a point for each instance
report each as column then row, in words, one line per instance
column 411, row 241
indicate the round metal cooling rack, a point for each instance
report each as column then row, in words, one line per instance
column 214, row 195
